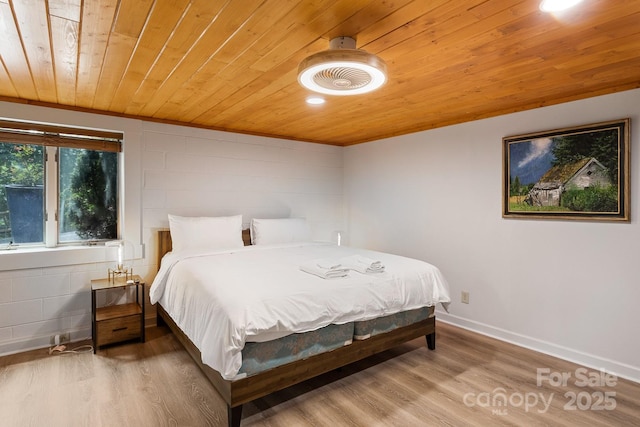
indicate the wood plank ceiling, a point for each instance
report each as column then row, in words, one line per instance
column 232, row 64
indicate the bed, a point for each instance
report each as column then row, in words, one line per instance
column 279, row 354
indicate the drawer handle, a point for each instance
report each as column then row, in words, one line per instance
column 119, row 329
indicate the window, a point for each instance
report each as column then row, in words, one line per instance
column 22, row 189
column 57, row 185
column 88, row 195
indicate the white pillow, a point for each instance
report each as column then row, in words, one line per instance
column 215, row 233
column 282, row 230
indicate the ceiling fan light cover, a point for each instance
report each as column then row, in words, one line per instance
column 557, row 5
column 342, row 72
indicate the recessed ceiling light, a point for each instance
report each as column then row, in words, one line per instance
column 315, row 100
column 557, row 5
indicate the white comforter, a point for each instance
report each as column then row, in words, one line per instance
column 223, row 299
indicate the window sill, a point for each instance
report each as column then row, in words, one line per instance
column 40, row 257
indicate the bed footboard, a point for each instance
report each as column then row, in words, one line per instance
column 244, row 390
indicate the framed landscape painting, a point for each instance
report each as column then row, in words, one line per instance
column 579, row 173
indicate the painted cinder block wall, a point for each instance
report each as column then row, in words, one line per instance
column 167, row 169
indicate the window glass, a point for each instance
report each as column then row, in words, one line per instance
column 58, row 184
column 85, row 204
column 22, row 193
column 88, row 189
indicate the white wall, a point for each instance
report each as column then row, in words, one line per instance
column 167, row 169
column 568, row 288
column 191, row 172
column 432, row 195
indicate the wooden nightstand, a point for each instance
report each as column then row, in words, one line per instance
column 116, row 323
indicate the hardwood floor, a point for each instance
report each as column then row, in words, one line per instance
column 460, row 383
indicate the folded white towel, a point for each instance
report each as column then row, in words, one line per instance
column 329, row 264
column 326, row 269
column 362, row 264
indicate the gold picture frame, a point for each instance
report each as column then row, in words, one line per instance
column 576, row 173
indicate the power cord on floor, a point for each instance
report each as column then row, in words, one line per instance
column 62, row 349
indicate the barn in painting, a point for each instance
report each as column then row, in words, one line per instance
column 584, row 173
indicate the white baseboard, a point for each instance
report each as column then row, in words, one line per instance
column 621, row 370
column 35, row 343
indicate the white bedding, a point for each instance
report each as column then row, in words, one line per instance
column 223, row 299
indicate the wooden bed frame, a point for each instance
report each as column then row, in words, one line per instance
column 236, row 393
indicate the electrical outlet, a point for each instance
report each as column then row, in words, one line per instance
column 464, row 297
column 59, row 339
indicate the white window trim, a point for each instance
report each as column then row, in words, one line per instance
column 130, row 202
column 41, row 257
column 51, row 182
column 28, row 257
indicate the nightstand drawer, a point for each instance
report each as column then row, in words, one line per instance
column 119, row 329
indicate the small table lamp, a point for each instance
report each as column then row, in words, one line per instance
column 120, row 270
